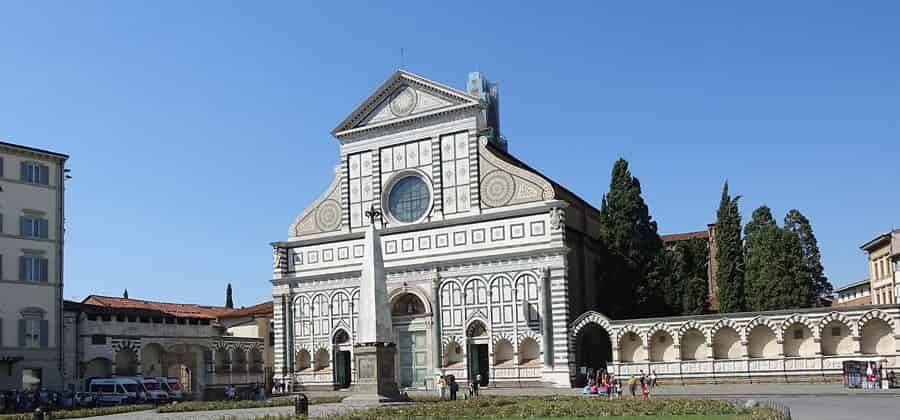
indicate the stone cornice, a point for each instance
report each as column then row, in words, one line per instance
column 527, row 210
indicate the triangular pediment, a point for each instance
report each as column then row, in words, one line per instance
column 403, row 97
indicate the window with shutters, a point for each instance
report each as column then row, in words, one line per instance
column 34, row 227
column 32, row 333
column 34, row 173
column 33, row 268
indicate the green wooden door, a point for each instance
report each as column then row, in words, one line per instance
column 413, row 359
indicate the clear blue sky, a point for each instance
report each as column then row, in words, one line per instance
column 198, row 130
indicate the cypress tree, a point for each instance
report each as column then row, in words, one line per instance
column 633, row 243
column 775, row 271
column 729, row 255
column 796, row 223
column 125, row 295
column 229, row 303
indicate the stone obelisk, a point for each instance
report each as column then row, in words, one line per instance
column 375, row 348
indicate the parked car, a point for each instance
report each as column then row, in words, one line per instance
column 85, row 399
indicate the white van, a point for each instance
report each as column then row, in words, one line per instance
column 173, row 387
column 115, row 391
column 154, row 389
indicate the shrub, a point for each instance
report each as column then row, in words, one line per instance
column 233, row 405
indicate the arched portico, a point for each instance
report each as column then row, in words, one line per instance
column 591, row 340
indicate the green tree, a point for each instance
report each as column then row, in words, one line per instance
column 729, row 255
column 775, row 271
column 796, row 223
column 633, row 245
column 762, row 289
column 229, row 302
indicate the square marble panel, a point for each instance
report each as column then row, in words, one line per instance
column 424, row 242
column 312, row 257
column 327, row 255
column 358, row 251
column 298, row 258
column 477, row 236
column 441, row 240
column 517, row 231
column 537, row 228
column 498, row 233
column 343, row 253
column 459, row 238
column 407, row 245
column 390, row 247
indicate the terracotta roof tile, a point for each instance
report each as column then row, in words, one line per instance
column 95, row 303
column 262, row 309
column 675, row 237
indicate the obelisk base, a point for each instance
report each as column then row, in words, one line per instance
column 375, row 373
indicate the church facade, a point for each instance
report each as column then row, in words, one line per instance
column 488, row 262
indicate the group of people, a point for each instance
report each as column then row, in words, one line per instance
column 257, row 392
column 16, row 401
column 603, row 382
column 878, row 377
column 450, row 388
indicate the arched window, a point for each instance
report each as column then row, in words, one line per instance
column 501, row 300
column 527, row 298
column 304, row 317
column 476, row 292
column 303, row 360
column 451, row 305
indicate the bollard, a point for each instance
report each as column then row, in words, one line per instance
column 301, row 406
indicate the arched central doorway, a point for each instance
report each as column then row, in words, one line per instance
column 478, row 354
column 341, row 346
column 593, row 351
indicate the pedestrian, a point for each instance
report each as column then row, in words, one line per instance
column 884, row 378
column 653, row 379
column 454, row 388
column 442, row 383
column 869, row 375
column 632, row 384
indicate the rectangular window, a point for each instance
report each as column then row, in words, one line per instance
column 33, row 268
column 34, row 227
column 98, row 339
column 34, row 173
column 32, row 333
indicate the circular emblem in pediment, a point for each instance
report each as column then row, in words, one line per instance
column 328, row 216
column 497, row 188
column 404, row 102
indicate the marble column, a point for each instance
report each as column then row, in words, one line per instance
column 436, row 324
column 546, row 324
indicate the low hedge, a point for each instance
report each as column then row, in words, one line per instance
column 235, row 405
column 561, row 406
column 82, row 412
